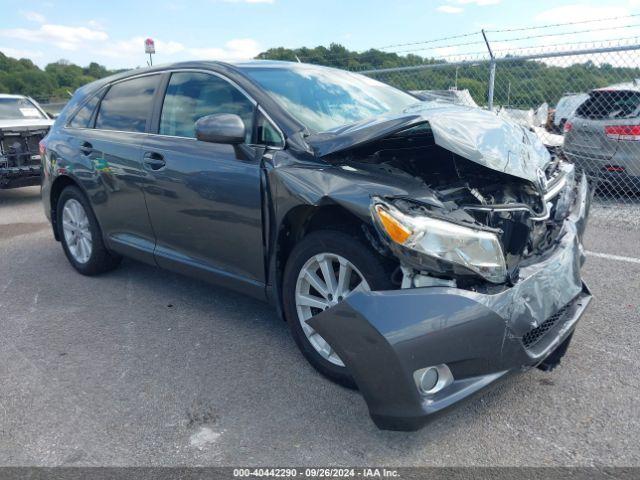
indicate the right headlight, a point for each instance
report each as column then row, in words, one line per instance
column 476, row 250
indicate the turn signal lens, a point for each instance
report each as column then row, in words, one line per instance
column 398, row 232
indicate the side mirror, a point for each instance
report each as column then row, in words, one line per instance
column 221, row 128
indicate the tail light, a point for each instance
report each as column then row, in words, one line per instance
column 567, row 126
column 623, row 132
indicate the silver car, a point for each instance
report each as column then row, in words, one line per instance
column 23, row 124
column 602, row 137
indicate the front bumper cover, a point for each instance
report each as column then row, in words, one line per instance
column 383, row 337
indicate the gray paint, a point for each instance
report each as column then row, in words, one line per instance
column 221, row 128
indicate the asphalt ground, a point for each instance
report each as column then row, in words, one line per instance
column 144, row 367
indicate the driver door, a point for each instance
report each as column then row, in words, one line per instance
column 203, row 199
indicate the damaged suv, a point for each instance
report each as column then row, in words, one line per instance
column 22, row 125
column 418, row 251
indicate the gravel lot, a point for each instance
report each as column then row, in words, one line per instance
column 143, row 367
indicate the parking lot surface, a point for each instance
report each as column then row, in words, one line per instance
column 144, row 367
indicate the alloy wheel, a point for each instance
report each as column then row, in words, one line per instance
column 77, row 235
column 324, row 281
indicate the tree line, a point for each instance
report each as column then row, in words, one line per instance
column 56, row 82
column 519, row 84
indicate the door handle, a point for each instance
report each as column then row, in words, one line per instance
column 153, row 161
column 86, row 148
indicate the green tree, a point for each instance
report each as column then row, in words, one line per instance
column 22, row 76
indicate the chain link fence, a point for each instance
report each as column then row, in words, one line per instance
column 583, row 104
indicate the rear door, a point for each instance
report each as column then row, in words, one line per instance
column 114, row 147
column 204, row 200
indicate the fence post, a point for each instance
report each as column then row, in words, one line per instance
column 492, row 72
column 492, row 79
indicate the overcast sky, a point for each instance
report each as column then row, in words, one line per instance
column 112, row 32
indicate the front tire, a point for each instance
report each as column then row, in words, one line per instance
column 80, row 234
column 323, row 269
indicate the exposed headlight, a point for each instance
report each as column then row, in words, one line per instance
column 476, row 250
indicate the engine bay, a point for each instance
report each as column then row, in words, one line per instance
column 527, row 218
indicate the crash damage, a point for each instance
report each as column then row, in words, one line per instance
column 486, row 230
column 23, row 124
column 20, row 156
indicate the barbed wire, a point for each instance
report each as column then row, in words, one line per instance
column 374, row 53
column 590, row 44
column 559, row 34
column 437, row 47
column 552, row 25
column 516, row 39
column 435, row 40
column 520, row 29
column 363, row 57
column 348, row 55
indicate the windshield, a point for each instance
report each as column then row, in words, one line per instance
column 323, row 98
column 18, row 108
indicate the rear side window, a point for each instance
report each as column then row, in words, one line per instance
column 603, row 104
column 127, row 105
column 83, row 116
column 193, row 95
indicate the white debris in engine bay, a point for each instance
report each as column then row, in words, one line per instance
column 414, row 279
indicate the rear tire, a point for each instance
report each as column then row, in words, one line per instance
column 81, row 236
column 338, row 247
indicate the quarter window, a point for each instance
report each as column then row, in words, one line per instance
column 82, row 118
column 127, row 105
column 267, row 133
column 193, row 95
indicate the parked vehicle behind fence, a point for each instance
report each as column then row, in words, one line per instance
column 602, row 136
column 23, row 123
column 418, row 251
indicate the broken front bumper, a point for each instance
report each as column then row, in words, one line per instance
column 384, row 337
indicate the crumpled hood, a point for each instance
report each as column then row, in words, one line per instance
column 21, row 123
column 475, row 134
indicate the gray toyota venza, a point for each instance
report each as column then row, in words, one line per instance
column 419, row 251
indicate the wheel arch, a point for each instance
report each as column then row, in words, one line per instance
column 59, row 184
column 299, row 222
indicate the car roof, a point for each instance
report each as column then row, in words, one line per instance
column 632, row 86
column 238, row 66
column 274, row 64
column 208, row 64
